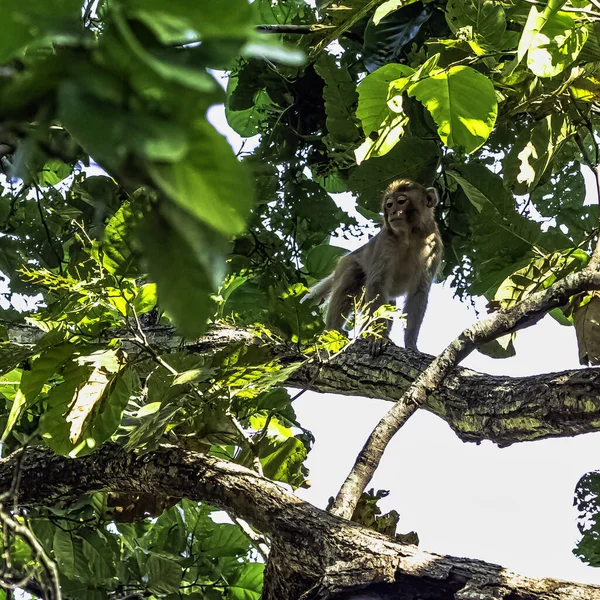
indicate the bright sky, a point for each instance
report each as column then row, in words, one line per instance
column 511, row 506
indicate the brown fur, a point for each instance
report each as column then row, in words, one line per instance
column 401, row 260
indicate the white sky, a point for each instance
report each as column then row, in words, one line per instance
column 511, row 506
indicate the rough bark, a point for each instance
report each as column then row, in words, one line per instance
column 314, row 556
column 478, row 407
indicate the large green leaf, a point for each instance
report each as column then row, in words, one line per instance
column 462, row 102
column 373, row 94
column 111, row 134
column 382, row 119
column 536, row 20
column 85, row 409
column 181, row 270
column 36, row 22
column 385, row 40
column 555, row 45
column 209, row 182
column 247, row 122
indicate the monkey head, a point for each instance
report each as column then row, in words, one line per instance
column 408, row 205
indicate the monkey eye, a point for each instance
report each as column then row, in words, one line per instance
column 388, row 204
column 402, row 200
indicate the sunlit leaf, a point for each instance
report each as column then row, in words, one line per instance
column 463, row 104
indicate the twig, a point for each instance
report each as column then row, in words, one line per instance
column 29, row 538
column 524, row 314
column 298, row 29
column 584, row 11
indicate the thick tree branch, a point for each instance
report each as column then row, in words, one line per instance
column 478, row 407
column 524, row 314
column 311, row 549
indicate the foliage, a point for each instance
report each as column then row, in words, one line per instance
column 587, row 501
column 125, row 209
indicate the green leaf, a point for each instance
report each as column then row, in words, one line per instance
column 385, row 41
column 183, row 277
column 210, row 18
column 224, row 540
column 111, row 134
column 209, row 182
column 34, row 379
column 68, row 552
column 322, row 259
column 502, row 347
column 145, row 299
column 53, row 172
column 534, row 151
column 107, row 419
column 463, row 104
column 99, row 557
column 340, row 98
column 586, row 318
column 248, row 122
column 55, row 428
column 535, row 22
column 373, row 95
column 64, row 552
column 36, row 23
column 120, row 253
column 482, row 17
column 283, row 459
column 246, row 584
column 587, row 501
column 164, row 576
column 556, row 45
column 383, row 10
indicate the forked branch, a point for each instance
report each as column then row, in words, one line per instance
column 524, row 314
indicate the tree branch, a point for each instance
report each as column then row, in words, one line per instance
column 477, row 406
column 524, row 314
column 312, row 551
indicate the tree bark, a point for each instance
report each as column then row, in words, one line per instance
column 315, row 555
column 477, row 406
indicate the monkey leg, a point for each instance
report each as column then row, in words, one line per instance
column 415, row 306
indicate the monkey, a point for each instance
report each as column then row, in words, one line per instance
column 401, row 260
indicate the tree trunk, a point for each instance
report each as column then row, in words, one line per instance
column 314, row 556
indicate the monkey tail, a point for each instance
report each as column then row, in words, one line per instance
column 320, row 291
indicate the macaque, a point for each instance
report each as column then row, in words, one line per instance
column 401, row 259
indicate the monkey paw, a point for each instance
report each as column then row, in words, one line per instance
column 377, row 345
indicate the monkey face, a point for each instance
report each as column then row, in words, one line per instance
column 407, row 204
column 397, row 209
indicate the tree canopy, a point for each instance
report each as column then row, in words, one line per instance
column 145, row 386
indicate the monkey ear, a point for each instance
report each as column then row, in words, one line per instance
column 432, row 197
